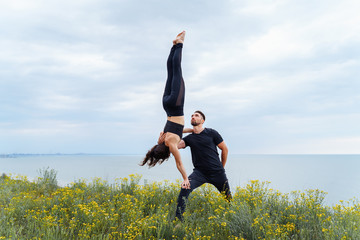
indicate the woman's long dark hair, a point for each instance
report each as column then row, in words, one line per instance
column 157, row 154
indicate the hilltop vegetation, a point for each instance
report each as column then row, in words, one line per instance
column 40, row 209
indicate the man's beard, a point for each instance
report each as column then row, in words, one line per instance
column 194, row 123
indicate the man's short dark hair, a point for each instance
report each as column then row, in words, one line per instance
column 201, row 113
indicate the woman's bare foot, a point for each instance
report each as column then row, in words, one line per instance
column 179, row 38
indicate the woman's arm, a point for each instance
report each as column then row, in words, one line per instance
column 175, row 152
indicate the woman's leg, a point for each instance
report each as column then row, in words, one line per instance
column 174, row 94
column 178, row 82
column 177, row 86
column 169, row 66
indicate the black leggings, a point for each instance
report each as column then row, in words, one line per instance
column 174, row 93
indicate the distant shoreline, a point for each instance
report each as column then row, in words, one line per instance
column 15, row 155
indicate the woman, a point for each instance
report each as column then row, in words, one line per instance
column 173, row 104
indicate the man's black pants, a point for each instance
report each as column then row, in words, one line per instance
column 197, row 178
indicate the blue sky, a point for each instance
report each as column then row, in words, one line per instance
column 271, row 76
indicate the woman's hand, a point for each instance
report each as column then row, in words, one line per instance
column 185, row 184
column 161, row 138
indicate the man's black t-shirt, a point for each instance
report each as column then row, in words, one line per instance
column 205, row 156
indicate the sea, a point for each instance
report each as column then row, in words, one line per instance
column 337, row 175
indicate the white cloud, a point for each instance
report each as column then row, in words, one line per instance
column 55, row 102
column 258, row 8
column 278, row 43
column 41, row 128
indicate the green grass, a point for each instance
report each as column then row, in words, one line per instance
column 40, row 209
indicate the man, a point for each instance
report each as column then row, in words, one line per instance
column 208, row 168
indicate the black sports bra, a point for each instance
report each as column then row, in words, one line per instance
column 174, row 128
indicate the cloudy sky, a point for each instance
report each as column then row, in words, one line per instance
column 271, row 76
